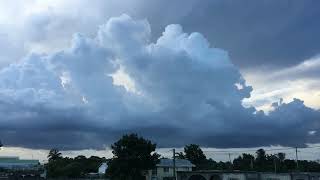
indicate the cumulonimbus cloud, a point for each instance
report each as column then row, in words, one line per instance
column 183, row 87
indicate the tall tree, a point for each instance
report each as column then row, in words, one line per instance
column 180, row 155
column 55, row 163
column 281, row 156
column 195, row 155
column 245, row 162
column 54, row 155
column 261, row 154
column 133, row 155
column 261, row 160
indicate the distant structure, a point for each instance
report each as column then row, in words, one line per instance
column 165, row 169
column 102, row 168
column 100, row 173
column 243, row 175
column 14, row 163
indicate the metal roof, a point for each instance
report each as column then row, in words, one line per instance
column 179, row 163
column 16, row 160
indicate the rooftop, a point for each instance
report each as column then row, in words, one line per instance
column 16, row 160
column 179, row 163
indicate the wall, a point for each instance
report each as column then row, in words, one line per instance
column 249, row 175
column 233, row 176
column 161, row 174
column 273, row 176
column 300, row 177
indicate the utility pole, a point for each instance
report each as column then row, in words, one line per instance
column 275, row 165
column 297, row 159
column 174, row 164
column 251, row 163
column 230, row 161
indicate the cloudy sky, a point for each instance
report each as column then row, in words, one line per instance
column 78, row 74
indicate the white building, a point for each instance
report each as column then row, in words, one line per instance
column 164, row 170
column 14, row 163
column 102, row 168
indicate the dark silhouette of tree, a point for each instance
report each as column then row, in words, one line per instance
column 210, row 164
column 244, row 162
column 180, row 155
column 260, row 161
column 195, row 155
column 54, row 155
column 261, row 155
column 133, row 155
column 65, row 167
column 281, row 156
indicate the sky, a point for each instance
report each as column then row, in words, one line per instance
column 77, row 75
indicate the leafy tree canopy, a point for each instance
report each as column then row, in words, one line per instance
column 194, row 154
column 133, row 155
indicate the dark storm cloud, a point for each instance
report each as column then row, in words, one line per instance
column 274, row 33
column 268, row 32
column 183, row 87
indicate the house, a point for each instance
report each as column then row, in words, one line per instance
column 14, row 163
column 164, row 170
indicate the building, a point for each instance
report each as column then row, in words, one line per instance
column 102, row 168
column 101, row 172
column 244, row 175
column 14, row 163
column 164, row 170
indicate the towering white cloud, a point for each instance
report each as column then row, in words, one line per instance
column 182, row 85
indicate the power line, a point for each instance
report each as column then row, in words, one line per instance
column 248, row 150
column 253, row 150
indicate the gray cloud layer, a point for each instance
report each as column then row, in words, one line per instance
column 186, row 91
column 272, row 33
column 276, row 33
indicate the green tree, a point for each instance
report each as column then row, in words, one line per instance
column 180, row 155
column 261, row 160
column 133, row 155
column 281, row 156
column 195, row 155
column 54, row 155
column 59, row 167
column 244, row 162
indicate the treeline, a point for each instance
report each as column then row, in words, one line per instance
column 134, row 155
column 79, row 166
column 261, row 161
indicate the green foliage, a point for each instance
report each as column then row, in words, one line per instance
column 133, row 155
column 54, row 155
column 79, row 166
column 244, row 162
column 262, row 162
column 180, row 155
column 195, row 155
column 272, row 162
